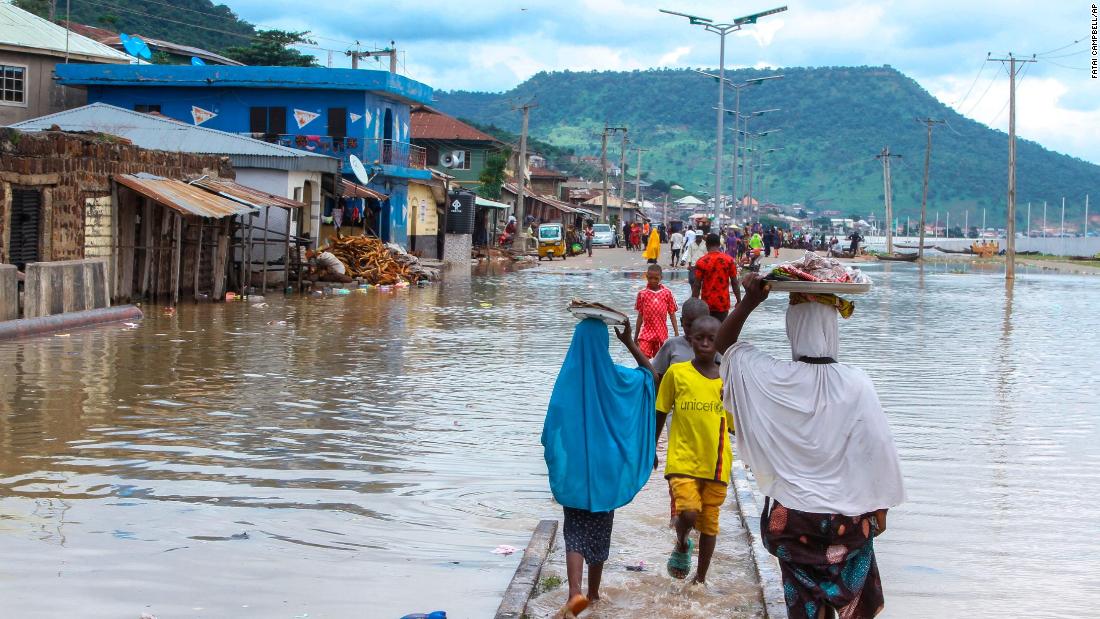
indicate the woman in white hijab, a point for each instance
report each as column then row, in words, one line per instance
column 814, row 434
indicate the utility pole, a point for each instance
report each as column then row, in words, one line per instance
column 1029, row 220
column 521, row 172
column 1085, row 231
column 1010, row 230
column 603, row 164
column 722, row 30
column 607, row 130
column 638, row 177
column 622, row 179
column 391, row 52
column 1062, row 229
column 887, row 196
column 1044, row 218
column 929, row 123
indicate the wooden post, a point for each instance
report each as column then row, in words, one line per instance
column 267, row 239
column 286, row 256
column 198, row 260
column 177, row 254
column 239, row 232
column 220, row 259
column 247, row 283
column 147, row 241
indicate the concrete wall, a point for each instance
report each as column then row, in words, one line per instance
column 9, row 293
column 65, row 286
column 43, row 94
column 457, row 249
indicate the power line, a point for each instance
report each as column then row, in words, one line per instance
column 1058, row 49
column 986, row 91
column 1065, row 66
column 972, row 84
column 250, row 37
column 1077, row 53
column 1020, row 80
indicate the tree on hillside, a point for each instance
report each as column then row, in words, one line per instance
column 492, row 175
column 272, row 48
column 40, row 8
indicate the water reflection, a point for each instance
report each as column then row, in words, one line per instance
column 368, row 451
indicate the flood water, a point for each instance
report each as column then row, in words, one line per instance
column 363, row 455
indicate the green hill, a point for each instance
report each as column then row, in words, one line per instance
column 833, row 121
column 198, row 23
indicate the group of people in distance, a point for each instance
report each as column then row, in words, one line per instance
column 811, row 429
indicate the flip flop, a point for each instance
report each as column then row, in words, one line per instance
column 574, row 606
column 680, row 562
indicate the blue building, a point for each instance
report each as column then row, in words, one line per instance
column 337, row 112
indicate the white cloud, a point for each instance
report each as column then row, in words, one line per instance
column 674, row 57
column 495, row 44
column 1041, row 115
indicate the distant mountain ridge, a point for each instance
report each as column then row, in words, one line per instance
column 832, row 121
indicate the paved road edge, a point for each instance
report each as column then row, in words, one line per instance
column 767, row 568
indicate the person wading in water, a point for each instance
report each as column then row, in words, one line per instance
column 814, row 434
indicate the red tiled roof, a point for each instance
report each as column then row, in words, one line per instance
column 428, row 124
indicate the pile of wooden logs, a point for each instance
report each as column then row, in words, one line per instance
column 373, row 261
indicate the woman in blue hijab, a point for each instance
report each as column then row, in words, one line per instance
column 599, row 442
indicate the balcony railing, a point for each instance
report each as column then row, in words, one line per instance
column 371, row 151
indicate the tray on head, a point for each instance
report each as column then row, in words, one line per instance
column 819, row 287
column 599, row 311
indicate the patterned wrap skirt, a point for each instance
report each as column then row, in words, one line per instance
column 827, row 561
column 588, row 533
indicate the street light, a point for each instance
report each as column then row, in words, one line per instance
column 748, row 135
column 736, row 112
column 722, row 30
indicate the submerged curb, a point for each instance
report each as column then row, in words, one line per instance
column 527, row 574
column 767, row 569
column 30, row 327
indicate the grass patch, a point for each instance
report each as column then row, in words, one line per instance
column 550, row 582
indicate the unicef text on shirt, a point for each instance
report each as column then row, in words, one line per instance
column 705, row 407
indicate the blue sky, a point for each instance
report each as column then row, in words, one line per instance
column 494, row 45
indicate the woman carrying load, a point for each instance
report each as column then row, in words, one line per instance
column 814, row 434
column 599, row 442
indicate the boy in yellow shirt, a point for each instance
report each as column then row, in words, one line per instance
column 697, row 466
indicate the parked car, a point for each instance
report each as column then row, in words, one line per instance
column 604, row 235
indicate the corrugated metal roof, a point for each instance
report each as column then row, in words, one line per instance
column 349, row 189
column 20, row 29
column 187, row 199
column 240, row 193
column 111, row 39
column 163, row 133
column 490, row 203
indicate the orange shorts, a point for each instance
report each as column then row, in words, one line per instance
column 699, row 495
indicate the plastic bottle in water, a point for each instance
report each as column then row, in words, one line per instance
column 437, row 614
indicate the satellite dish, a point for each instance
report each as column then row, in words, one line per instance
column 136, row 47
column 358, row 170
column 123, row 37
column 196, row 61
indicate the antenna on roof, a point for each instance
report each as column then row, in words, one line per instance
column 196, row 61
column 135, row 47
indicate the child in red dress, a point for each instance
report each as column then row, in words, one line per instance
column 656, row 307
